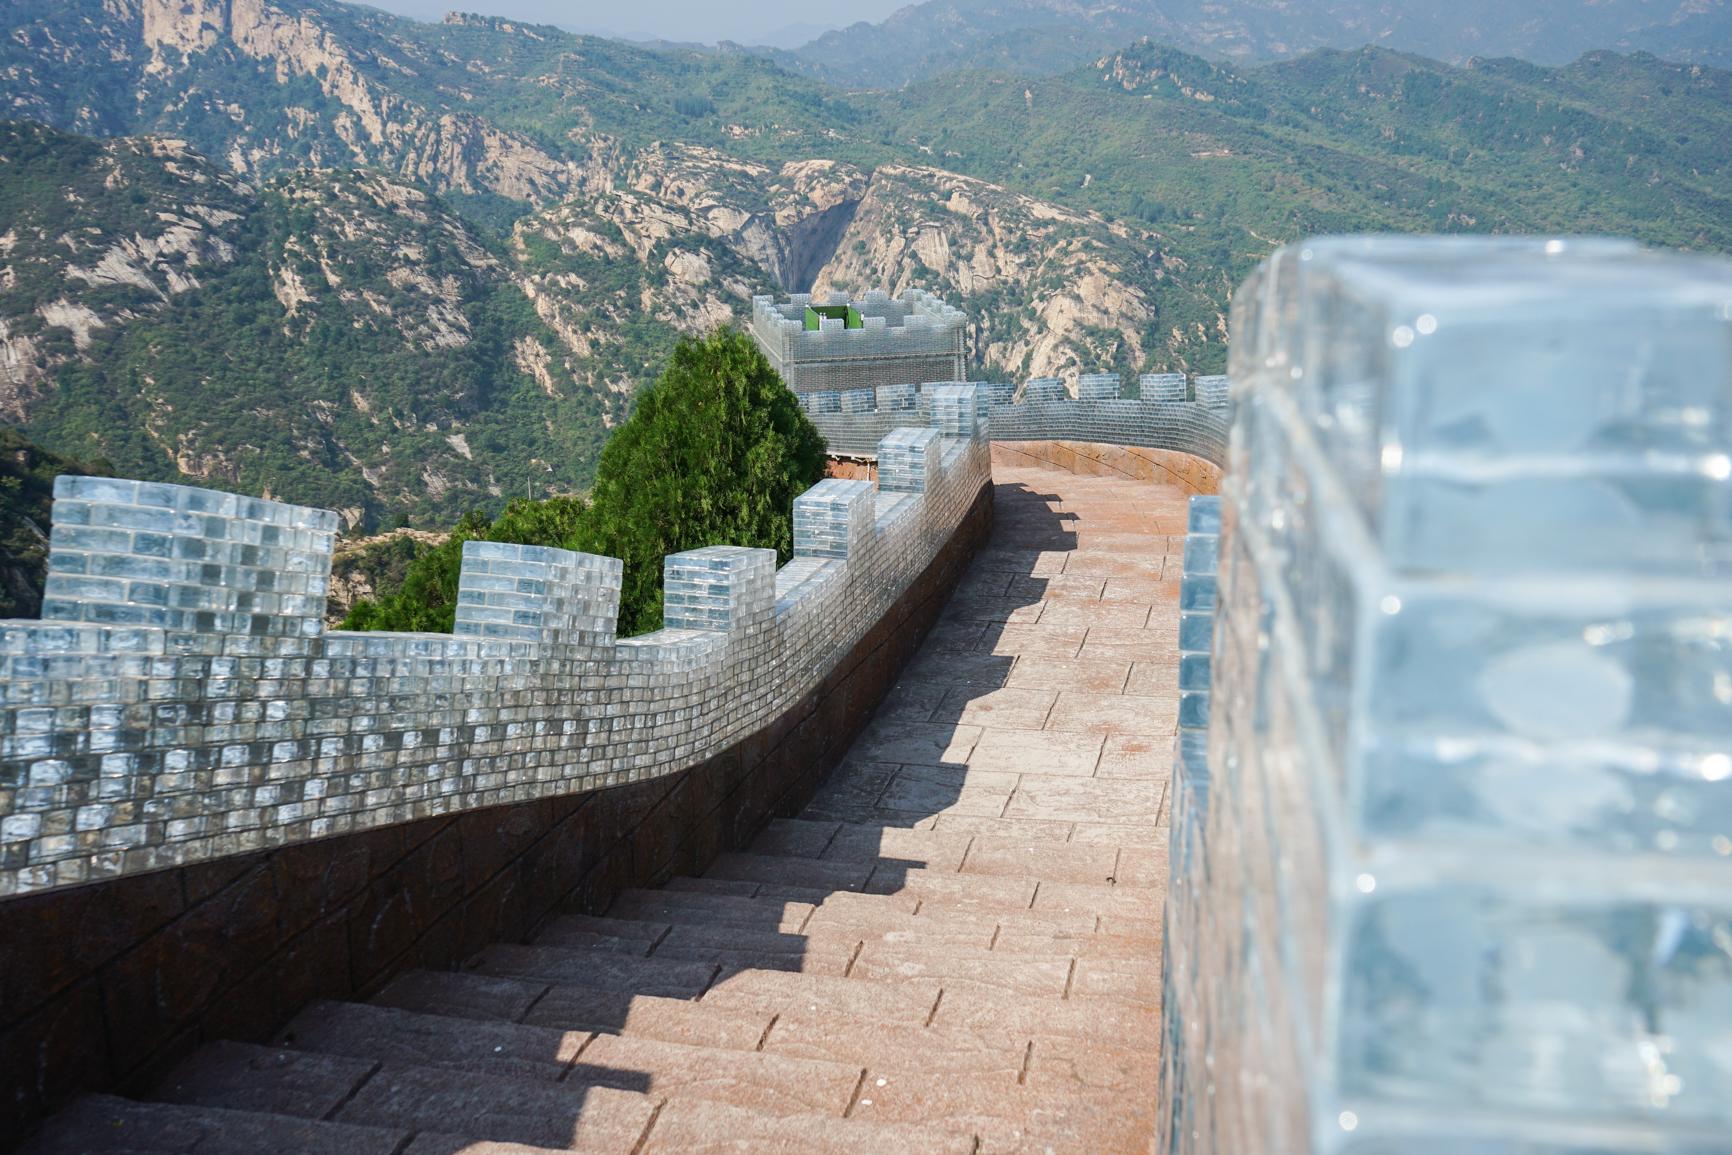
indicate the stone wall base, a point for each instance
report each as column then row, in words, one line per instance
column 1163, row 466
column 105, row 987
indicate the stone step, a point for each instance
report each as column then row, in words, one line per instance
column 630, row 935
column 1014, row 974
column 699, row 1127
column 791, row 992
column 871, row 843
column 1008, row 1116
column 462, row 995
column 786, row 871
column 273, row 1080
column 1071, row 862
column 278, row 1081
column 590, row 1117
column 739, row 947
column 1105, row 901
column 771, row 1084
column 397, row 1036
column 900, row 1046
column 598, row 969
column 1063, row 1064
column 1119, row 948
column 575, row 1008
column 864, row 913
column 676, row 906
column 105, row 1123
column 995, row 1014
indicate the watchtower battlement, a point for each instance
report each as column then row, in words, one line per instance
column 837, row 342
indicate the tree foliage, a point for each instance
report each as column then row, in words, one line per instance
column 714, row 454
column 27, row 474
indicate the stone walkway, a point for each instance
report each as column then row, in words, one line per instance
column 955, row 948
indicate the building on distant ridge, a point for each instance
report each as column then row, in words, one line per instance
column 841, row 344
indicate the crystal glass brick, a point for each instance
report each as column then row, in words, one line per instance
column 1463, row 878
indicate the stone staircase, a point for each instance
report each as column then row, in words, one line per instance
column 846, row 987
column 967, row 975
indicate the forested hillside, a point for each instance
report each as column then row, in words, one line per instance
column 408, row 270
column 337, row 338
column 1031, row 37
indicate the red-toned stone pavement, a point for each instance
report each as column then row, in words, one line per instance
column 955, row 948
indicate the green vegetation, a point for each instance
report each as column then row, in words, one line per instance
column 714, row 454
column 425, row 600
column 348, row 339
column 27, row 474
column 1043, row 37
column 1226, row 164
column 337, row 339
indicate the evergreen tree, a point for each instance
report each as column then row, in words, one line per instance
column 714, row 454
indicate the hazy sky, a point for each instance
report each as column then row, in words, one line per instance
column 758, row 21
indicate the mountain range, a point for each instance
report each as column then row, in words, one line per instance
column 309, row 249
column 1042, row 36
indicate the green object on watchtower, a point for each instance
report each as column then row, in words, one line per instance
column 847, row 314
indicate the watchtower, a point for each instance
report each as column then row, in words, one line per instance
column 843, row 344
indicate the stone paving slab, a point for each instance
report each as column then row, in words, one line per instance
column 106, row 1123
column 1035, row 751
column 955, row 946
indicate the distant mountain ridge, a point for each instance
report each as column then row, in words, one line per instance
column 1032, row 37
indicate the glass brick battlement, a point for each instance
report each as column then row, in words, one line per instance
column 878, row 339
column 1455, row 872
column 1163, row 415
column 182, row 700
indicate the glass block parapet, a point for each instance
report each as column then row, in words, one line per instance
column 834, row 518
column 720, row 587
column 911, row 337
column 908, row 460
column 1098, row 387
column 190, row 560
column 537, row 594
column 1212, row 391
column 959, row 410
column 1044, row 389
column 1197, row 611
column 1041, row 410
column 187, row 703
column 1164, row 387
column 1462, row 880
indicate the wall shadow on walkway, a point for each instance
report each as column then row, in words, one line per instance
column 501, row 1048
column 718, row 940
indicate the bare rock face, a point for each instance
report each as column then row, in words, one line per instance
column 1050, row 290
column 374, row 124
column 1061, row 284
column 364, row 565
column 390, row 222
column 784, row 221
column 139, row 222
column 601, row 264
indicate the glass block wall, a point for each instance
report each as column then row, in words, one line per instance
column 1452, row 874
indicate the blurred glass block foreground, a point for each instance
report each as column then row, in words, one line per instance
column 1463, row 881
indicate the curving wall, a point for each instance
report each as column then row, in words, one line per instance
column 853, row 421
column 181, row 701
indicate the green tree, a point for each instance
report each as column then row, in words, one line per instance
column 714, row 454
column 426, row 601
